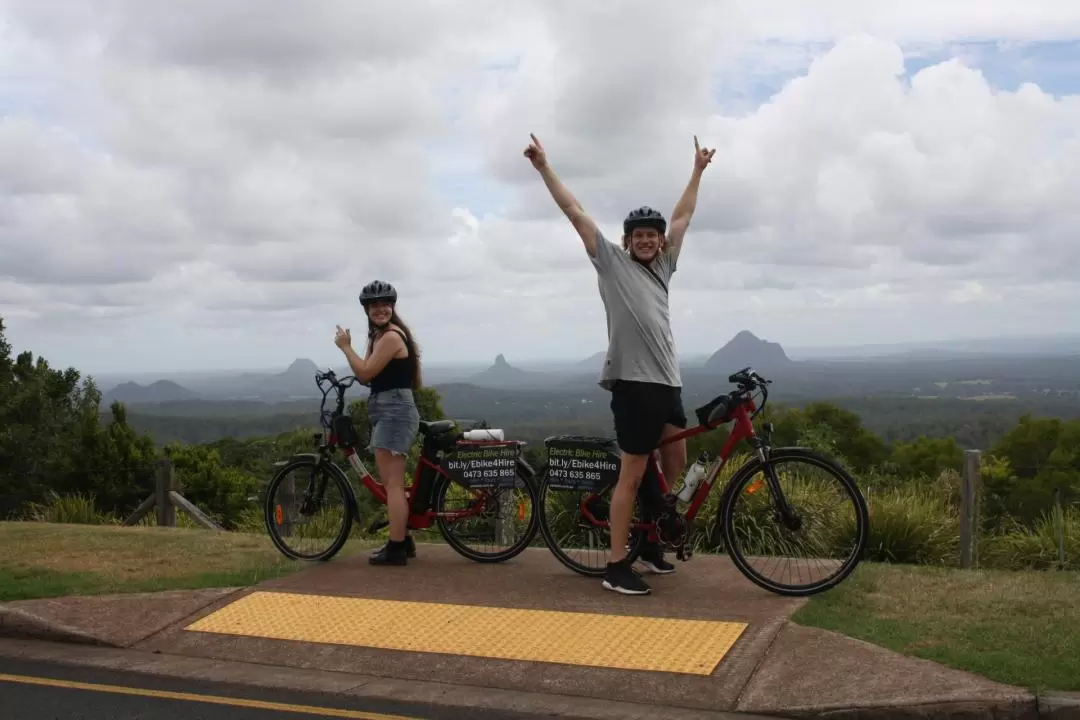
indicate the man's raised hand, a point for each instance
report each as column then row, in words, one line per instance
column 702, row 156
column 535, row 153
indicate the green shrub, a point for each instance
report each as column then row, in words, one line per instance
column 75, row 508
column 912, row 525
column 1034, row 548
column 251, row 520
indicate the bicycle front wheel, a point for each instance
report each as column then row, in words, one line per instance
column 820, row 548
column 309, row 509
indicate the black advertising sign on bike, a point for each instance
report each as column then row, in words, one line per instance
column 483, row 464
column 582, row 463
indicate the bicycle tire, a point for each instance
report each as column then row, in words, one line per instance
column 822, row 462
column 339, row 478
column 637, row 539
column 438, row 495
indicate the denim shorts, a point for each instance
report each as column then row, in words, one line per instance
column 395, row 420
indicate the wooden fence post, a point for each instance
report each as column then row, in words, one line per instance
column 165, row 478
column 504, row 523
column 1059, row 521
column 969, row 492
column 166, row 498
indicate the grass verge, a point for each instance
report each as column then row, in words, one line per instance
column 42, row 559
column 1015, row 627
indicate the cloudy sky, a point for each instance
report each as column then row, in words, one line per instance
column 208, row 183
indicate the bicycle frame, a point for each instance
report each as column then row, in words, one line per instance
column 416, row 520
column 743, row 413
column 742, row 430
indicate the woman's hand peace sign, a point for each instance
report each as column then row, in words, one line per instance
column 342, row 338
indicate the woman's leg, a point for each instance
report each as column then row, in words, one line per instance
column 392, row 474
column 391, row 440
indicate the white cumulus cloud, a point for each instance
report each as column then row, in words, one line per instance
column 210, row 185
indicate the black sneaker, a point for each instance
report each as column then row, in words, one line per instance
column 393, row 553
column 410, row 547
column 621, row 578
column 652, row 558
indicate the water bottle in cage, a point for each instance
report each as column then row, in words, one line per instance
column 694, row 476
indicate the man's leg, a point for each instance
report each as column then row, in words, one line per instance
column 672, row 462
column 673, row 455
column 639, row 422
column 631, row 470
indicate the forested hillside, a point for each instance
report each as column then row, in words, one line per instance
column 56, row 442
column 973, row 398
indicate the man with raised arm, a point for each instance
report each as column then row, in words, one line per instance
column 641, row 369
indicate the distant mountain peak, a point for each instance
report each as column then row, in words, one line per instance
column 303, row 365
column 158, row 391
column 745, row 349
column 500, row 361
column 163, row 384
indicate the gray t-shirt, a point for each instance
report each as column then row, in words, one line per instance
column 640, row 343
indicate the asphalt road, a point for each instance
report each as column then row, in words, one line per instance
column 33, row 690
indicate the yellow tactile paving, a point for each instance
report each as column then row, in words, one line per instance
column 612, row 641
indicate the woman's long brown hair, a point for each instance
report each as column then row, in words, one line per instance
column 410, row 343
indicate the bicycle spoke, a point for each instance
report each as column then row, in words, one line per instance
column 307, row 511
column 820, row 550
column 487, row 524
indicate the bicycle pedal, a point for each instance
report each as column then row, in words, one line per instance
column 377, row 526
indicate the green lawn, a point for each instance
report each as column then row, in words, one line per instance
column 1021, row 628
column 41, row 559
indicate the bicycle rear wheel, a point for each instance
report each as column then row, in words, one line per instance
column 299, row 506
column 571, row 536
column 495, row 515
column 833, row 516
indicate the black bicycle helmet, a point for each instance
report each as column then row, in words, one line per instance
column 377, row 290
column 644, row 216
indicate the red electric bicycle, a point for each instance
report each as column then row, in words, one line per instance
column 828, row 514
column 496, row 496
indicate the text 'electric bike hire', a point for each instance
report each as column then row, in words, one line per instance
column 796, row 503
column 471, row 485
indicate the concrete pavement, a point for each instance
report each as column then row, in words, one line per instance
column 773, row 667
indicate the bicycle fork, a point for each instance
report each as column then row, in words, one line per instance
column 784, row 512
column 313, row 495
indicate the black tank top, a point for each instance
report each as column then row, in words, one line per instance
column 398, row 373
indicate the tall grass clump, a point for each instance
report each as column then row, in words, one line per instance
column 76, row 508
column 913, row 524
column 1035, row 547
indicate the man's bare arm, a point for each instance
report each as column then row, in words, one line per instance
column 684, row 209
column 566, row 201
column 570, row 206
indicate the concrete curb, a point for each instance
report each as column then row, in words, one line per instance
column 1059, row 706
column 1021, row 708
column 16, row 623
column 1043, row 706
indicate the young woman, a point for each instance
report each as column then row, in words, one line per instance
column 391, row 368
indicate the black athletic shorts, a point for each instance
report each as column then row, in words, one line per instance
column 641, row 410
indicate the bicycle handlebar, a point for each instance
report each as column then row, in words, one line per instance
column 343, row 384
column 748, row 381
column 335, row 384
